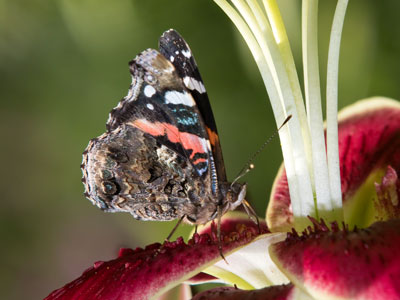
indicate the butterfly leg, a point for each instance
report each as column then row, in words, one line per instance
column 174, row 229
column 170, row 234
column 219, row 216
column 251, row 213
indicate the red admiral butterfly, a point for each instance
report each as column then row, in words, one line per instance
column 160, row 158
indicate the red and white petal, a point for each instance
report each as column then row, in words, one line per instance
column 341, row 264
column 149, row 272
column 250, row 267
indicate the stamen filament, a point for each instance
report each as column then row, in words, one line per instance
column 332, row 108
column 313, row 104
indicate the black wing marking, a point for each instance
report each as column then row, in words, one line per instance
column 177, row 51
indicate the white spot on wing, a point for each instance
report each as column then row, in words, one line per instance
column 150, row 106
column 203, row 170
column 208, row 146
column 172, row 58
column 174, row 97
column 205, row 146
column 193, row 84
column 149, row 91
column 186, row 53
column 176, row 52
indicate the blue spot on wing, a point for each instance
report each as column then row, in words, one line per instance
column 187, row 121
column 185, row 116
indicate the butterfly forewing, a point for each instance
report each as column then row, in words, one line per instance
column 177, row 51
column 159, row 104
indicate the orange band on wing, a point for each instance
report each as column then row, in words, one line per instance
column 189, row 141
column 199, row 160
column 214, row 139
column 153, row 129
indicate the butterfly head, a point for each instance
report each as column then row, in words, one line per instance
column 234, row 196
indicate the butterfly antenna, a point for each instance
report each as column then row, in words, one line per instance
column 249, row 166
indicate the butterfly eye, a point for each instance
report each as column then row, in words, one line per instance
column 111, row 188
column 150, row 79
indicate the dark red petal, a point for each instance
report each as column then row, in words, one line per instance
column 142, row 273
column 202, row 278
column 367, row 140
column 277, row 292
column 338, row 264
column 279, row 213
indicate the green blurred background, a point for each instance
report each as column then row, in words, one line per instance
column 64, row 65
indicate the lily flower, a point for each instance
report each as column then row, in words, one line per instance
column 345, row 176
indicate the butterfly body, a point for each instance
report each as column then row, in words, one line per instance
column 160, row 158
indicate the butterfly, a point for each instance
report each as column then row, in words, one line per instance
column 160, row 158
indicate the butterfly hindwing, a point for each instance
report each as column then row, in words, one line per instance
column 177, row 51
